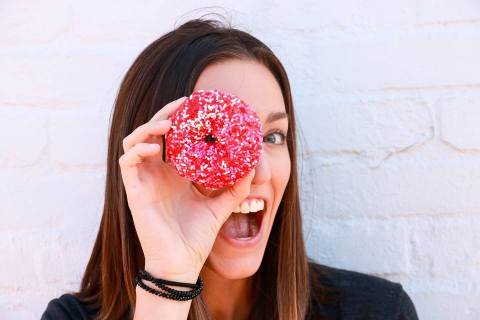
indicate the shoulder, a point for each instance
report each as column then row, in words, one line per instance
column 67, row 306
column 359, row 295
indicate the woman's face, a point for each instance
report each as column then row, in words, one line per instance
column 253, row 83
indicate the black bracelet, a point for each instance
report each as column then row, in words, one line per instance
column 174, row 294
column 160, row 283
column 145, row 275
column 170, row 292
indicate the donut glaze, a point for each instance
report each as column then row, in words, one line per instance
column 215, row 138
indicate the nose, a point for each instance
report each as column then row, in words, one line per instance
column 262, row 170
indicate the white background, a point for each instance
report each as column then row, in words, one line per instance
column 387, row 95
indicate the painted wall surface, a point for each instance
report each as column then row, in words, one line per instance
column 387, row 96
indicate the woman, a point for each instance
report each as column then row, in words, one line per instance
column 179, row 231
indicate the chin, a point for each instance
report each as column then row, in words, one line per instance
column 233, row 262
column 235, row 266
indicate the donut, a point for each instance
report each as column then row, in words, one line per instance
column 215, row 138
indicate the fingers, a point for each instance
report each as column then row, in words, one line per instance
column 159, row 124
column 143, row 132
column 165, row 113
column 138, row 154
column 223, row 204
column 168, row 109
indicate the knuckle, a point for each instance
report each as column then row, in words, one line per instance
column 121, row 160
column 234, row 192
column 125, row 142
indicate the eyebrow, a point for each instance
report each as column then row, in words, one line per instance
column 274, row 116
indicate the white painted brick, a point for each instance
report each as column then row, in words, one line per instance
column 305, row 16
column 368, row 246
column 390, row 60
column 427, row 180
column 386, row 92
column 375, row 127
column 448, row 245
column 442, row 11
column 121, row 16
column 58, row 77
column 79, row 137
column 22, row 273
column 23, row 133
column 447, row 306
column 460, row 119
column 27, row 22
column 27, row 305
column 156, row 18
column 393, row 13
column 309, row 15
column 46, row 264
column 57, row 259
column 35, row 197
column 16, row 307
column 13, row 252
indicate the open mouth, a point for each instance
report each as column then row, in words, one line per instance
column 259, row 215
column 255, row 224
column 244, row 226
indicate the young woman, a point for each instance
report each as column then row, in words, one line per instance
column 176, row 230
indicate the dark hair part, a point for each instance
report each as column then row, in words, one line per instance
column 167, row 70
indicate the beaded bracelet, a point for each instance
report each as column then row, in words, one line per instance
column 170, row 292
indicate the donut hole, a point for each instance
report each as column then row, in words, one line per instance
column 209, row 138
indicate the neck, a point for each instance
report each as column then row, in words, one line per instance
column 226, row 298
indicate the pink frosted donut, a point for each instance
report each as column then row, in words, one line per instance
column 215, row 138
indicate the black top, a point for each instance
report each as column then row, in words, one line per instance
column 363, row 297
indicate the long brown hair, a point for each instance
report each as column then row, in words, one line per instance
column 166, row 70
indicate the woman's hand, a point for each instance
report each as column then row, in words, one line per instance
column 176, row 224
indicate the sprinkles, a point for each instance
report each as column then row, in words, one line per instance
column 215, row 138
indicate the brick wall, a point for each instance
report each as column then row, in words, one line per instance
column 388, row 101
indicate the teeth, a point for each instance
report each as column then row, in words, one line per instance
column 261, row 205
column 250, row 206
column 254, row 205
column 244, row 207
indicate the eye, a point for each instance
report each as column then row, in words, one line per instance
column 277, row 137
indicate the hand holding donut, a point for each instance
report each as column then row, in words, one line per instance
column 176, row 224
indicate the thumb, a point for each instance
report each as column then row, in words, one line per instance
column 223, row 204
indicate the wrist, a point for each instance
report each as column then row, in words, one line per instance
column 157, row 271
